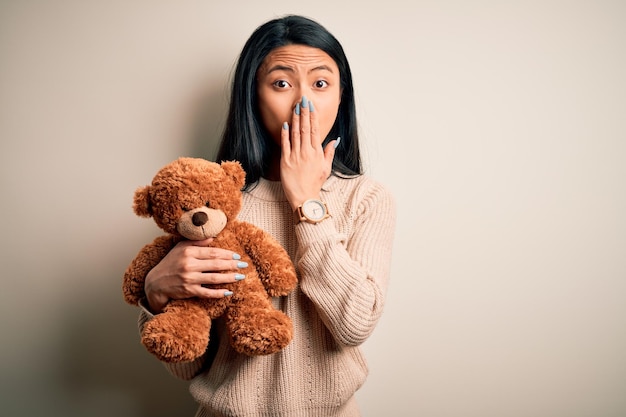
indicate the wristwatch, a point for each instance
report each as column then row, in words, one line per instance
column 311, row 211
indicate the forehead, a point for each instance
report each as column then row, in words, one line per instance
column 297, row 56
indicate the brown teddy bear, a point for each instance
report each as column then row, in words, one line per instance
column 195, row 199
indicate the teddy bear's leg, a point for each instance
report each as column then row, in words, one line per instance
column 180, row 333
column 256, row 327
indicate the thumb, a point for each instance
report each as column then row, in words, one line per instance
column 329, row 150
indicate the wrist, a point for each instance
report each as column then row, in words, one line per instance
column 156, row 304
column 297, row 201
column 156, row 301
column 311, row 211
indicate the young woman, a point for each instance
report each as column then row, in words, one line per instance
column 292, row 125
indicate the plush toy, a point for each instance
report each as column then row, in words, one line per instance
column 195, row 199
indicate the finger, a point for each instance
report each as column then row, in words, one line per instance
column 205, row 253
column 295, row 129
column 305, row 122
column 214, row 292
column 316, row 141
column 284, row 140
column 208, row 279
column 219, row 265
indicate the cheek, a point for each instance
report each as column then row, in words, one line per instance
column 274, row 112
column 327, row 116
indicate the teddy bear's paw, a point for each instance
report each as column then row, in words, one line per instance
column 262, row 334
column 173, row 341
column 282, row 282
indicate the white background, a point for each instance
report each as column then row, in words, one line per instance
column 499, row 126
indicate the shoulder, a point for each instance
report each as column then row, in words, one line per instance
column 358, row 184
column 361, row 192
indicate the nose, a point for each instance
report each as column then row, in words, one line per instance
column 303, row 98
column 199, row 218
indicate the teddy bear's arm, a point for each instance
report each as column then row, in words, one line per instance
column 149, row 256
column 275, row 268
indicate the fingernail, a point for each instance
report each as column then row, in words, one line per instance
column 285, row 125
column 228, row 293
column 239, row 277
column 311, row 106
column 305, row 102
column 337, row 142
column 242, row 264
column 236, row 256
column 298, row 109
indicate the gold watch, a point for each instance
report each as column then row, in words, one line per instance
column 312, row 211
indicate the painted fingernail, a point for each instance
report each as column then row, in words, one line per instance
column 337, row 142
column 242, row 264
column 228, row 293
column 305, row 102
column 239, row 277
column 236, row 256
column 311, row 106
column 285, row 126
column 298, row 109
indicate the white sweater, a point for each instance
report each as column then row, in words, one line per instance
column 343, row 268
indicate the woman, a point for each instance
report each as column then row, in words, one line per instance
column 292, row 125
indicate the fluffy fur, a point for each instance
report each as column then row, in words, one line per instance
column 194, row 199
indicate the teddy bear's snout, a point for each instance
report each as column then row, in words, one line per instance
column 201, row 223
column 199, row 218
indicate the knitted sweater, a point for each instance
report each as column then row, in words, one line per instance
column 343, row 268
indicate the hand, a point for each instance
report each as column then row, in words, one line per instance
column 186, row 268
column 304, row 164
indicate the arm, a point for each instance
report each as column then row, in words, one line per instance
column 346, row 276
column 181, row 274
column 135, row 275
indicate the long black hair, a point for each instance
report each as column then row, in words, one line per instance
column 245, row 138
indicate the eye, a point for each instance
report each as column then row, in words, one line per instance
column 321, row 84
column 183, row 208
column 281, row 84
column 208, row 204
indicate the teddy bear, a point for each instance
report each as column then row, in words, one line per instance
column 195, row 199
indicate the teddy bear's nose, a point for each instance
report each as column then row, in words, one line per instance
column 199, row 218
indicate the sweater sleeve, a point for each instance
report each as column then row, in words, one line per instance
column 345, row 275
column 183, row 370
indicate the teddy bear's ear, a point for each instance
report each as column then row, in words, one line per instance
column 234, row 170
column 141, row 202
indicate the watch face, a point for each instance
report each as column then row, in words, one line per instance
column 314, row 209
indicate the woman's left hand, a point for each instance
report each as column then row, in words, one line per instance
column 304, row 164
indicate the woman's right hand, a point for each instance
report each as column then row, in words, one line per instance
column 304, row 164
column 186, row 269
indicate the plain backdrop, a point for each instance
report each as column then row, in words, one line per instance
column 500, row 126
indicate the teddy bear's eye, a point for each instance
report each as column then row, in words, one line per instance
column 183, row 208
column 208, row 204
